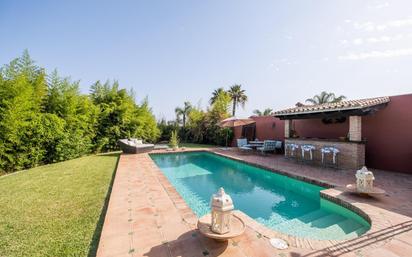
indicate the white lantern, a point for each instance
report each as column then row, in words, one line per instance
column 364, row 180
column 222, row 206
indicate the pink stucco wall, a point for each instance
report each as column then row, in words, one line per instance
column 389, row 136
column 315, row 128
column 267, row 127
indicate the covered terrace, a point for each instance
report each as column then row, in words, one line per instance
column 350, row 145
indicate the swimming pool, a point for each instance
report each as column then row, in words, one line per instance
column 279, row 202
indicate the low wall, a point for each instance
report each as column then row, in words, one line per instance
column 351, row 155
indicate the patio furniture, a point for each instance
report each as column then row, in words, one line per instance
column 278, row 146
column 268, row 146
column 291, row 150
column 134, row 146
column 307, row 149
column 330, row 150
column 242, row 145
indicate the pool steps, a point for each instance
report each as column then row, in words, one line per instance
column 321, row 225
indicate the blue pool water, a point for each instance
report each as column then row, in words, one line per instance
column 281, row 203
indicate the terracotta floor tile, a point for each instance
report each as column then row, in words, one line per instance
column 382, row 252
column 114, row 246
column 187, row 247
column 161, row 250
column 145, row 241
column 399, row 247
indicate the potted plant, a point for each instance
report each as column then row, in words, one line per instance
column 294, row 134
column 174, row 141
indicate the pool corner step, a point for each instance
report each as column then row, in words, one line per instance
column 345, row 229
column 326, row 221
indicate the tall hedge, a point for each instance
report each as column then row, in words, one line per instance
column 45, row 119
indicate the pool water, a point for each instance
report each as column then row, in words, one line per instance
column 281, row 203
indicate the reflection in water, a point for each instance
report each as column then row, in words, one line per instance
column 254, row 191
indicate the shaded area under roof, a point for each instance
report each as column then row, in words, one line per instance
column 359, row 107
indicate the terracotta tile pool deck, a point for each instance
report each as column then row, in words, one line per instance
column 147, row 217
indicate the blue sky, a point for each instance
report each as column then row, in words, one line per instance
column 281, row 52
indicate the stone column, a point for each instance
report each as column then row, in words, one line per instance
column 288, row 128
column 355, row 128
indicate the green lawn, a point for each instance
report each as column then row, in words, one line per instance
column 190, row 145
column 55, row 210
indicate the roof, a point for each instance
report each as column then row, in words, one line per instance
column 358, row 107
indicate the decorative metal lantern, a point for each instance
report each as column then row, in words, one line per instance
column 222, row 206
column 364, row 180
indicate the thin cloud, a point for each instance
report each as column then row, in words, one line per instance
column 373, row 40
column 379, row 6
column 358, row 41
column 371, row 26
column 376, row 54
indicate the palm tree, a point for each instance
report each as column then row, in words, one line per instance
column 216, row 94
column 325, row 97
column 266, row 112
column 238, row 97
column 183, row 112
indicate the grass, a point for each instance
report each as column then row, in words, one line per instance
column 190, row 145
column 55, row 210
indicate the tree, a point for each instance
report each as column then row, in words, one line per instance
column 325, row 97
column 217, row 112
column 45, row 119
column 79, row 113
column 220, row 109
column 216, row 94
column 202, row 126
column 22, row 128
column 238, row 96
column 197, row 125
column 120, row 116
column 166, row 128
column 266, row 112
column 183, row 112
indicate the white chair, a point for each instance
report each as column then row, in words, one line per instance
column 307, row 149
column 242, row 144
column 268, row 146
column 330, row 150
column 291, row 148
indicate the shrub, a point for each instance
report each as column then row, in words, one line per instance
column 174, row 140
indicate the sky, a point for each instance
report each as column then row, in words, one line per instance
column 281, row 52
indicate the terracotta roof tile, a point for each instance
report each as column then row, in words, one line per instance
column 343, row 105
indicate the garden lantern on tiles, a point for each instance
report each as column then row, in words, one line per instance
column 364, row 180
column 222, row 206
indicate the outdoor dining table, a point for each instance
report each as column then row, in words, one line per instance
column 254, row 144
